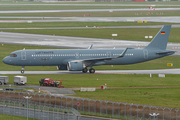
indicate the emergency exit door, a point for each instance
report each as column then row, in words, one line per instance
column 23, row 55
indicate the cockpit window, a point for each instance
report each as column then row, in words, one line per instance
column 13, row 55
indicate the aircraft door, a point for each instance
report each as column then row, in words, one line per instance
column 77, row 55
column 23, row 55
column 145, row 54
column 108, row 54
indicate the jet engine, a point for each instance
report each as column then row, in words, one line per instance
column 75, row 66
column 62, row 67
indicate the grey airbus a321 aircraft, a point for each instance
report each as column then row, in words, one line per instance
column 80, row 59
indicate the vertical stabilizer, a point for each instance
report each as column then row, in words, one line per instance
column 161, row 39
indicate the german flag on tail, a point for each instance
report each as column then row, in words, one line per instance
column 162, row 32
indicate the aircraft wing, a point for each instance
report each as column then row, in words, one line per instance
column 101, row 59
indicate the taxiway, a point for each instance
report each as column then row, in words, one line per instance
column 157, row 71
column 171, row 19
column 86, row 10
column 74, row 42
column 22, row 4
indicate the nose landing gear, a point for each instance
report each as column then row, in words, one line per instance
column 22, row 70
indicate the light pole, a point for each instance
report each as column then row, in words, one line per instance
column 26, row 97
column 154, row 115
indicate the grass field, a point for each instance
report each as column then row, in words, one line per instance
column 165, row 91
column 11, row 117
column 92, row 14
column 154, row 64
column 66, row 7
column 77, row 24
column 112, row 80
column 47, row 6
column 123, row 33
column 164, row 97
column 141, row 89
column 131, row 2
column 97, row 14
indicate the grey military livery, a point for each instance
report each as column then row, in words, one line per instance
column 80, row 59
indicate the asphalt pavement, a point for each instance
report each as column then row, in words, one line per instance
column 87, row 10
column 168, row 19
column 75, row 42
column 38, row 4
column 95, row 27
column 157, row 71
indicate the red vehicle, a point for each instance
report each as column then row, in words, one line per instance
column 46, row 82
column 50, row 82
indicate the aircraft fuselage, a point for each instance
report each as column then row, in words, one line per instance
column 55, row 57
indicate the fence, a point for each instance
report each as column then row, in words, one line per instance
column 123, row 111
column 18, row 107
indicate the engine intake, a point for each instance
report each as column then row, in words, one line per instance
column 75, row 66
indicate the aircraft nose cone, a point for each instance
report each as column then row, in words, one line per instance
column 5, row 60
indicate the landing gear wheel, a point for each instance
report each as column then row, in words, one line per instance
column 84, row 70
column 22, row 71
column 92, row 70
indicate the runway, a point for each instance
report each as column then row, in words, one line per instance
column 74, row 42
column 160, row 71
column 171, row 19
column 87, row 10
column 65, row 41
column 100, row 27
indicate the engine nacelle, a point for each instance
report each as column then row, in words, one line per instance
column 62, row 67
column 75, row 66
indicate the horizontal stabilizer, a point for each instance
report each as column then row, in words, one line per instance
column 168, row 52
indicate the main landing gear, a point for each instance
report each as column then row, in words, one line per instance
column 22, row 70
column 90, row 70
column 85, row 70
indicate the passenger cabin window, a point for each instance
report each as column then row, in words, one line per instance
column 13, row 55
